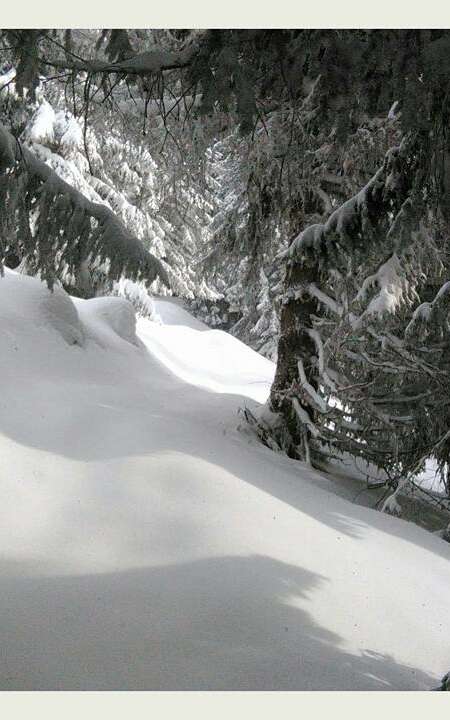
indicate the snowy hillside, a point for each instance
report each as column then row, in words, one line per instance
column 148, row 544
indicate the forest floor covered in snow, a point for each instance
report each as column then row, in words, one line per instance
column 148, row 543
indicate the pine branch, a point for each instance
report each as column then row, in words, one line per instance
column 68, row 229
column 142, row 65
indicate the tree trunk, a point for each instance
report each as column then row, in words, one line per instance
column 295, row 344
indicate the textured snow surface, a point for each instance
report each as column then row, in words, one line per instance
column 148, row 544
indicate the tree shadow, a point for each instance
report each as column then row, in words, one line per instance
column 107, row 420
column 224, row 623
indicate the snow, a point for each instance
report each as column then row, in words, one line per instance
column 108, row 318
column 392, row 114
column 211, row 359
column 37, row 309
column 41, row 128
column 392, row 288
column 172, row 312
column 68, row 130
column 424, row 312
column 153, row 61
column 149, row 544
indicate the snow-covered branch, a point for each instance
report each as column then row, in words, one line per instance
column 59, row 216
column 142, row 64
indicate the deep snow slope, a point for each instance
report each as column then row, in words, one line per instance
column 146, row 543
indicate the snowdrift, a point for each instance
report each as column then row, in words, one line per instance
column 37, row 308
column 148, row 544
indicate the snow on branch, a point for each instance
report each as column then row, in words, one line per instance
column 355, row 221
column 46, row 220
column 142, row 64
column 394, row 289
column 429, row 311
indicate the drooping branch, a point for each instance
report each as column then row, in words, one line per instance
column 52, row 224
column 353, row 222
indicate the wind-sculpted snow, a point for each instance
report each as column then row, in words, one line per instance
column 38, row 308
column 108, row 315
column 209, row 358
column 148, row 544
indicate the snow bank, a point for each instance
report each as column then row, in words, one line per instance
column 38, row 307
column 147, row 544
column 108, row 316
column 211, row 359
column 172, row 312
